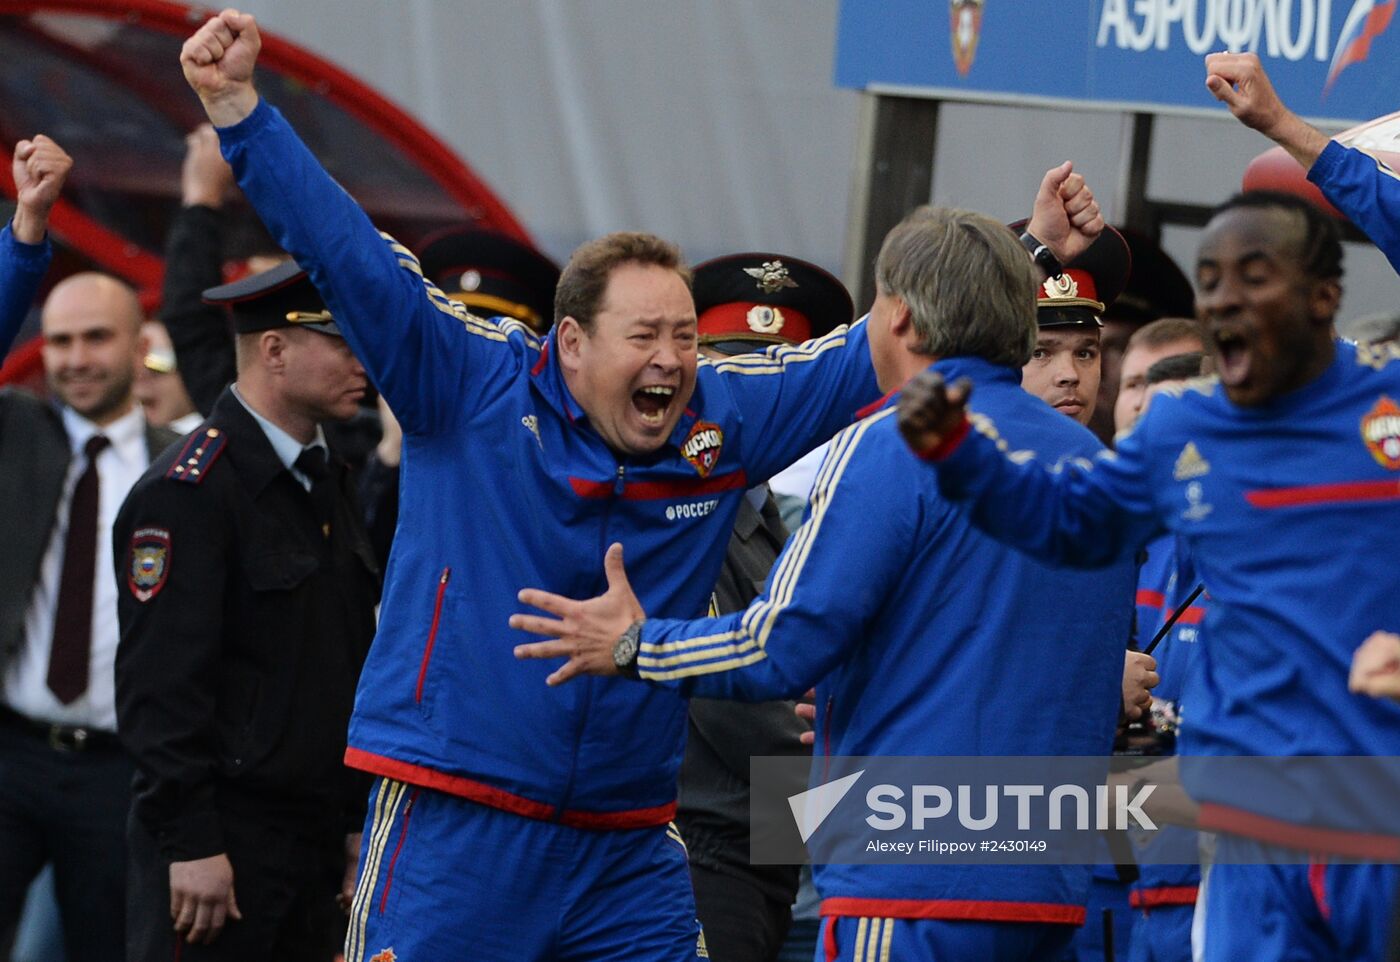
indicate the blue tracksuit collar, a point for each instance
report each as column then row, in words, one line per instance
column 979, row 370
column 1303, row 398
column 548, row 378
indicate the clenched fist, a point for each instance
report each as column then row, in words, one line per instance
column 40, row 168
column 1139, row 678
column 931, row 412
column 218, row 63
column 1065, row 218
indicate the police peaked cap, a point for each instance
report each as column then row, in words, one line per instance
column 767, row 298
column 1088, row 285
column 1157, row 286
column 492, row 274
column 281, row 297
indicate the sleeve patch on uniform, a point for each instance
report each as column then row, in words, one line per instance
column 149, row 564
column 198, row 456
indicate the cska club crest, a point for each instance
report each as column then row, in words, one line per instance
column 966, row 27
column 702, row 447
column 1380, row 429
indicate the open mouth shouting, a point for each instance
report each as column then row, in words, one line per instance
column 653, row 402
column 1234, row 356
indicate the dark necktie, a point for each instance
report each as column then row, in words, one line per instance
column 312, row 463
column 72, row 626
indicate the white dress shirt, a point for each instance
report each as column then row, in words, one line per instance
column 797, row 479
column 26, row 688
column 286, row 447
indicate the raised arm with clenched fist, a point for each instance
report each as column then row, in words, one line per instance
column 40, row 166
column 218, row 63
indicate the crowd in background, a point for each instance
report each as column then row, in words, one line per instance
column 215, row 506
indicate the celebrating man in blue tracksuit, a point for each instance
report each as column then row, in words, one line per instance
column 511, row 821
column 1282, row 479
column 923, row 636
column 40, row 167
column 1357, row 184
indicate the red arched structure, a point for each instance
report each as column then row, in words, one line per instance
column 74, row 56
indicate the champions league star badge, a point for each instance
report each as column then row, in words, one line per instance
column 702, row 447
column 966, row 27
column 1380, row 429
column 150, row 563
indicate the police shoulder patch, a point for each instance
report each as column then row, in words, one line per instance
column 198, row 455
column 148, row 562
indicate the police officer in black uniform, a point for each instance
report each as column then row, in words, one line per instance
column 247, row 590
column 745, row 303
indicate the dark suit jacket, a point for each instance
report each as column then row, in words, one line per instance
column 34, row 457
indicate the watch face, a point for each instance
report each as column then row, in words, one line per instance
column 625, row 651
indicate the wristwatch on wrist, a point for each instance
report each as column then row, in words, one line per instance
column 1043, row 256
column 625, row 649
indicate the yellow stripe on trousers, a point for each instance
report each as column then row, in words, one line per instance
column 386, row 809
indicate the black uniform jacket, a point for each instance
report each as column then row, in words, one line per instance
column 243, row 629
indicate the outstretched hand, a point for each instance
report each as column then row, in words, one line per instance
column 218, row 64
column 40, row 167
column 1239, row 81
column 1066, row 218
column 930, row 411
column 584, row 632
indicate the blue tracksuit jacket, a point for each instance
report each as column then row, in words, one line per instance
column 927, row 638
column 1286, row 510
column 505, row 486
column 22, row 267
column 1364, row 189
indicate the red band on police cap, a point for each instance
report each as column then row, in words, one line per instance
column 1072, row 287
column 733, row 320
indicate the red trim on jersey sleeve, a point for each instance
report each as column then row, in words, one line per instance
column 949, row 444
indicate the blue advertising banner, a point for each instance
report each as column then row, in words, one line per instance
column 1329, row 59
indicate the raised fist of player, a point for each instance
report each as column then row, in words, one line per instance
column 218, row 63
column 39, row 169
column 1065, row 217
column 930, row 411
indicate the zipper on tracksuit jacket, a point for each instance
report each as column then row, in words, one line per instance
column 432, row 634
column 618, row 486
